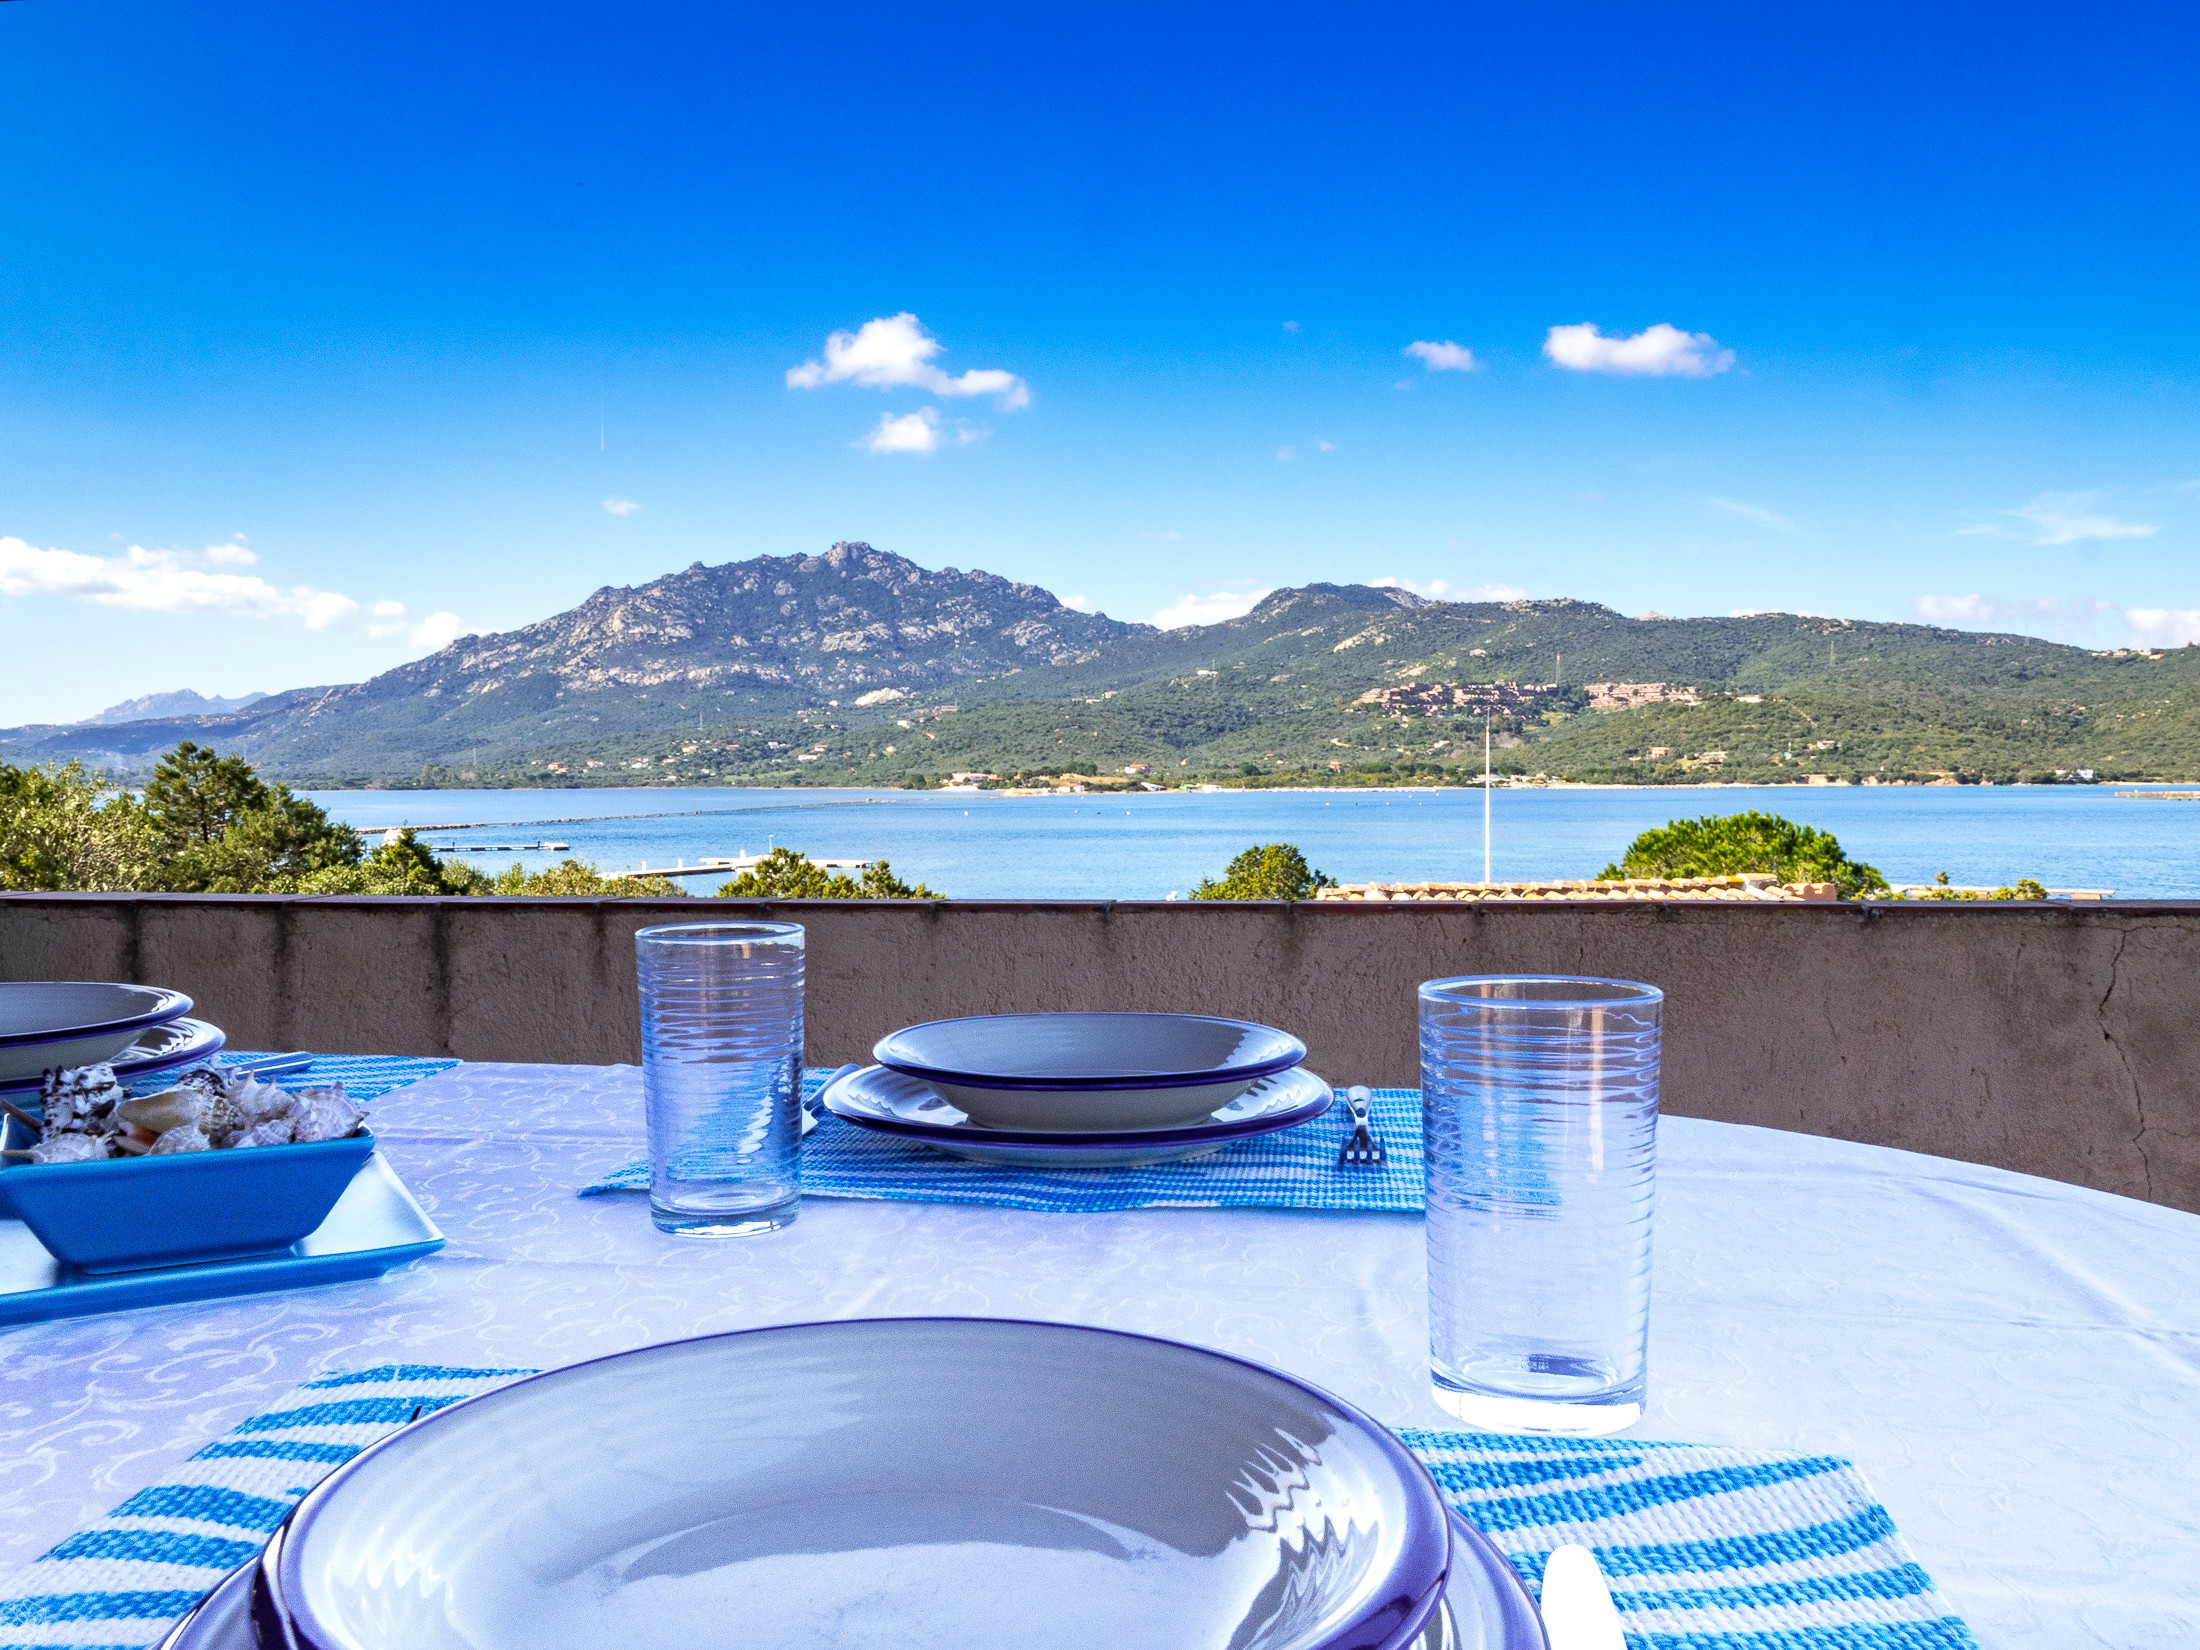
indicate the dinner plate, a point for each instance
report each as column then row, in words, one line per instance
column 1485, row 1607
column 1088, row 1072
column 872, row 1097
column 164, row 1047
column 892, row 1484
column 49, row 1023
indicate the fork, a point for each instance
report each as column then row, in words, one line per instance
column 1363, row 1150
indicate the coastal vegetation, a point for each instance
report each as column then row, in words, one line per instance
column 785, row 873
column 575, row 877
column 208, row 824
column 1276, row 870
column 1725, row 845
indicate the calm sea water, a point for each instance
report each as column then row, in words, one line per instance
column 1147, row 846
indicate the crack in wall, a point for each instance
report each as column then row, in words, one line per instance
column 2123, row 1058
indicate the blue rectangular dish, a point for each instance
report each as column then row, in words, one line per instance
column 375, row 1225
column 130, row 1214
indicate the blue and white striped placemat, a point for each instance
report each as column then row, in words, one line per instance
column 1706, row 1549
column 1290, row 1169
column 364, row 1076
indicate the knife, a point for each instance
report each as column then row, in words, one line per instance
column 811, row 1119
column 1578, row 1613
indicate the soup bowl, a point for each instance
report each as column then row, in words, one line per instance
column 892, row 1484
column 1089, row 1072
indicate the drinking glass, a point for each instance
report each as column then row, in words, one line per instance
column 722, row 1074
column 1540, row 1113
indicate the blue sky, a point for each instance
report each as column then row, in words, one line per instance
column 329, row 332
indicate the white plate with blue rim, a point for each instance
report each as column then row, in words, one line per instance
column 164, row 1047
column 50, row 1023
column 1485, row 1607
column 871, row 1097
column 1086, row 1072
column 891, row 1484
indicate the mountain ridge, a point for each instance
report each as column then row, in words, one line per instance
column 858, row 665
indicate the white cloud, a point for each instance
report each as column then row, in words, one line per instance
column 188, row 581
column 894, row 352
column 2057, row 618
column 1321, row 446
column 1292, row 326
column 2164, row 626
column 917, row 432
column 2062, row 518
column 1444, row 357
column 1442, row 590
column 437, row 630
column 1193, row 608
column 621, row 506
column 1661, row 351
column 1287, row 455
column 1762, row 517
column 1083, row 603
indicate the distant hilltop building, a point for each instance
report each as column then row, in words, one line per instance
column 1449, row 698
column 1627, row 695
column 1495, row 698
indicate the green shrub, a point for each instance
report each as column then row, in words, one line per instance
column 65, row 830
column 577, row 877
column 1276, row 871
column 1725, row 845
column 786, row 874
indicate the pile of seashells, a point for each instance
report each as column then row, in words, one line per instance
column 90, row 1117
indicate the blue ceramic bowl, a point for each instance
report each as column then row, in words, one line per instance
column 1089, row 1072
column 126, row 1214
column 913, row 1483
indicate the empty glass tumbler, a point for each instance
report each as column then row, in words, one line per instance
column 1540, row 1113
column 722, row 1074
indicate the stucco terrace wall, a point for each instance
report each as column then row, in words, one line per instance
column 2053, row 1040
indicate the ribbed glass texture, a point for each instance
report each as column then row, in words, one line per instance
column 722, row 1073
column 1540, row 1106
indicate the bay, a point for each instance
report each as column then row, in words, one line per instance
column 1151, row 845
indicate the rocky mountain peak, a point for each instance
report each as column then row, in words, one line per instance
column 842, row 623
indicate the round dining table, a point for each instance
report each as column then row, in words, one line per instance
column 2013, row 1363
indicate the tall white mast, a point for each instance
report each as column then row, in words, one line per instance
column 1485, row 799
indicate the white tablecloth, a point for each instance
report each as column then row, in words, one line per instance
column 2014, row 1363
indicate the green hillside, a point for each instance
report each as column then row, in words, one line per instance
column 732, row 674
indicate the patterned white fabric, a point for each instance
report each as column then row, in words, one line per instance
column 2012, row 1364
column 1708, row 1549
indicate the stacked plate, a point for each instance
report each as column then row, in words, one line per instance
column 137, row 1029
column 1081, row 1090
column 919, row 1484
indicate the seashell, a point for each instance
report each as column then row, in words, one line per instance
column 205, row 1080
column 256, row 1102
column 184, row 1137
column 74, row 1098
column 169, row 1109
column 70, row 1148
column 275, row 1131
column 323, row 1114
